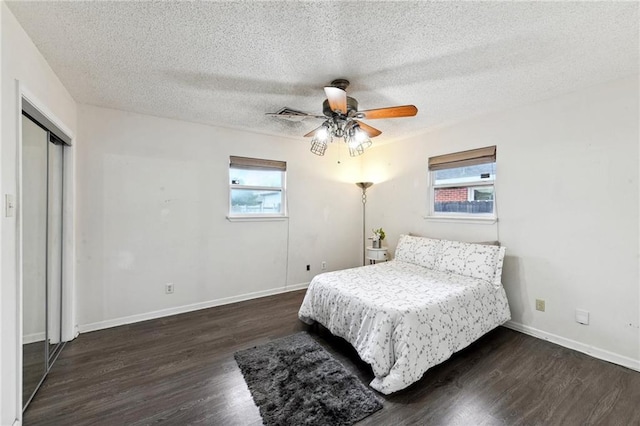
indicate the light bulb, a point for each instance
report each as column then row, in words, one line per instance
column 358, row 141
column 320, row 140
column 352, row 142
column 322, row 134
column 362, row 138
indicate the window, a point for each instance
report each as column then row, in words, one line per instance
column 256, row 187
column 462, row 184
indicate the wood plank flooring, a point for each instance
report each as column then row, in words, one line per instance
column 180, row 370
column 33, row 367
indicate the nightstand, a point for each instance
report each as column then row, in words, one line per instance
column 376, row 254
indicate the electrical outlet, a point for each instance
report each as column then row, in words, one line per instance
column 582, row 316
column 324, row 265
column 308, row 267
column 168, row 288
column 540, row 305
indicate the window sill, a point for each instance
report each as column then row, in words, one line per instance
column 256, row 218
column 465, row 219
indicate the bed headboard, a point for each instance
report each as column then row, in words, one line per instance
column 486, row 243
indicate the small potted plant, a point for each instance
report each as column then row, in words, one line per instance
column 378, row 236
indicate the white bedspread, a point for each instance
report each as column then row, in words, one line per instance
column 403, row 318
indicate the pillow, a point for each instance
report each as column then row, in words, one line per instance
column 418, row 250
column 472, row 260
column 427, row 251
column 405, row 250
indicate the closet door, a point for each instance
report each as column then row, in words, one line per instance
column 34, row 255
column 54, row 249
column 41, row 215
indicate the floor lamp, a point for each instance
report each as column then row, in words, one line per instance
column 364, row 186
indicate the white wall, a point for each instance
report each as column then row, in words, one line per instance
column 20, row 61
column 568, row 198
column 152, row 200
column 152, row 206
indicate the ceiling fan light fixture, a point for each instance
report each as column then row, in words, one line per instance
column 321, row 139
column 322, row 134
column 357, row 140
column 341, row 116
column 356, row 150
column 361, row 136
column 366, row 144
column 318, row 147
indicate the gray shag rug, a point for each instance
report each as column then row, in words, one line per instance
column 295, row 381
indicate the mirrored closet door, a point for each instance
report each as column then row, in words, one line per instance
column 42, row 211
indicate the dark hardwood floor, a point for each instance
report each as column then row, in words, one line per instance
column 180, row 371
column 33, row 367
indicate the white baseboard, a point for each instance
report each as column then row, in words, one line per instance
column 84, row 328
column 32, row 338
column 593, row 351
column 17, row 422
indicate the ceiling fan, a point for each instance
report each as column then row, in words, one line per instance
column 342, row 120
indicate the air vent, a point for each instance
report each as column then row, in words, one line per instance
column 287, row 113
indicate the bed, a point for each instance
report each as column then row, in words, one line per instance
column 406, row 315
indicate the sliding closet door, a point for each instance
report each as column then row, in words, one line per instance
column 34, row 254
column 54, row 248
column 41, row 213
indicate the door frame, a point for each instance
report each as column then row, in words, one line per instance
column 69, row 328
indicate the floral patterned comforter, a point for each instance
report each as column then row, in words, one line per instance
column 403, row 318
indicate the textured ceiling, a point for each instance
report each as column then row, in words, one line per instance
column 227, row 63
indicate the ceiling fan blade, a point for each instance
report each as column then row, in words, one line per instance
column 390, row 112
column 275, row 114
column 337, row 99
column 311, row 133
column 372, row 132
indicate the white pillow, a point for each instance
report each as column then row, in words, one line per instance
column 405, row 250
column 472, row 260
column 427, row 251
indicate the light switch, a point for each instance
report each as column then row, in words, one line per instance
column 9, row 205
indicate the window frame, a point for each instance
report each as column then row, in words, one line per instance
column 471, row 189
column 461, row 159
column 246, row 163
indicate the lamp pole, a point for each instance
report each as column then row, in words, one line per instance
column 364, row 186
